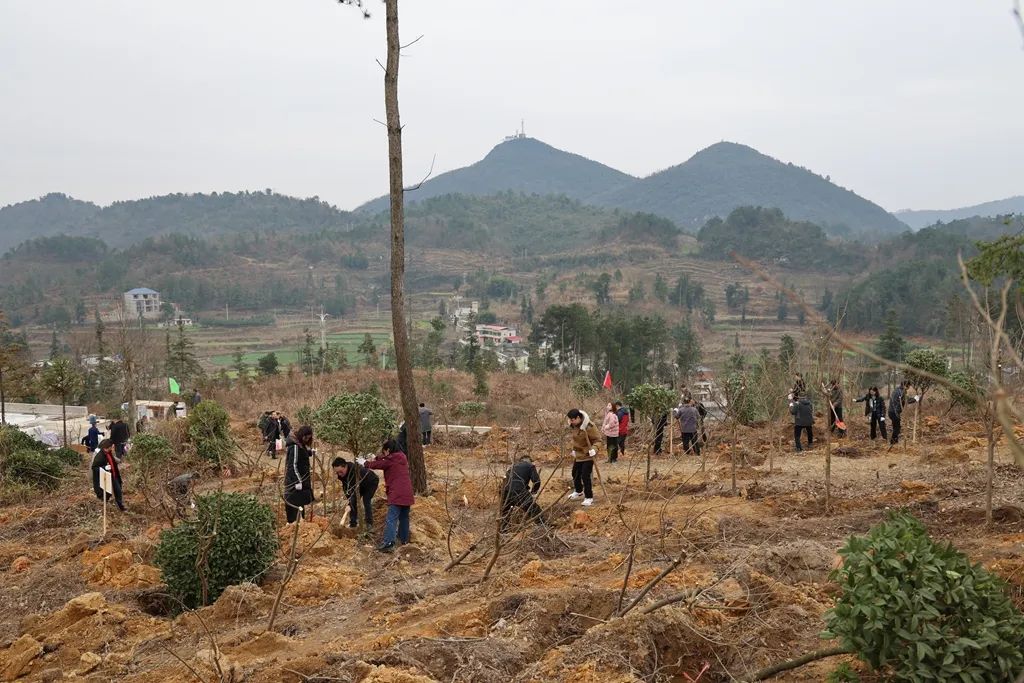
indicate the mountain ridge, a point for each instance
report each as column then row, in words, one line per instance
column 518, row 164
column 922, row 218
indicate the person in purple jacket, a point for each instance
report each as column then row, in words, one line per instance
column 398, row 484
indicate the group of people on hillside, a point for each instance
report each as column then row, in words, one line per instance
column 359, row 484
column 802, row 410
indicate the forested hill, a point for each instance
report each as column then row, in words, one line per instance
column 129, row 222
column 520, row 165
column 921, row 219
column 726, row 175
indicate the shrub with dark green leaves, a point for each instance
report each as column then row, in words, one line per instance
column 359, row 422
column 13, row 439
column 41, row 470
column 209, row 433
column 67, row 456
column 921, row 611
column 230, row 540
column 583, row 387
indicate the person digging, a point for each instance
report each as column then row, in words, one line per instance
column 522, row 484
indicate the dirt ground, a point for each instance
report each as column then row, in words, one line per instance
column 748, row 583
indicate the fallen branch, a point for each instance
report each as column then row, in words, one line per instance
column 652, row 583
column 458, row 560
column 774, row 669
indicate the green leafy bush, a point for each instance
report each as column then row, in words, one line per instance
column 230, row 540
column 921, row 611
column 13, row 439
column 208, row 431
column 583, row 387
column 470, row 410
column 359, row 422
column 651, row 400
column 41, row 470
column 969, row 391
column 67, row 456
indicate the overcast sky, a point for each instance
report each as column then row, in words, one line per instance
column 910, row 103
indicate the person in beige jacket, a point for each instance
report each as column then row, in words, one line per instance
column 585, row 438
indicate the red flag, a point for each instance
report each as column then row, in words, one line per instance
column 607, row 379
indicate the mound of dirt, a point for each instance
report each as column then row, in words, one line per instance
column 795, row 562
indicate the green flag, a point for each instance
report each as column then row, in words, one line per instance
column 172, row 384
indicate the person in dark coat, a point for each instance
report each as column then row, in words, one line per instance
column 874, row 410
column 426, row 424
column 357, row 483
column 106, row 459
column 660, row 423
column 897, row 402
column 286, row 426
column 803, row 419
column 119, row 435
column 398, row 485
column 522, row 483
column 272, row 431
column 835, row 413
column 298, row 485
column 196, row 398
column 91, row 440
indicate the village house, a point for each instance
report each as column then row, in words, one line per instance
column 494, row 335
column 142, row 302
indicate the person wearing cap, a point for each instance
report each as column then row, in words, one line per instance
column 585, row 438
column 92, row 438
column 522, row 483
column 106, row 459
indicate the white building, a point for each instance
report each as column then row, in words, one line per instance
column 142, row 302
column 497, row 334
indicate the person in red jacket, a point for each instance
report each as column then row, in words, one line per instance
column 398, row 484
column 623, row 414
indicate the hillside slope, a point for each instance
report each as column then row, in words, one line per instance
column 53, row 214
column 129, row 222
column 726, row 175
column 520, row 165
column 924, row 218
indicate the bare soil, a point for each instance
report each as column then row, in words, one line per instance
column 752, row 574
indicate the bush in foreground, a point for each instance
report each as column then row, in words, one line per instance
column 230, row 540
column 922, row 611
column 40, row 470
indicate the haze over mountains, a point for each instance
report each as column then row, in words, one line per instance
column 713, row 182
column 923, row 218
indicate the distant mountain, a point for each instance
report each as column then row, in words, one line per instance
column 512, row 223
column 521, row 165
column 51, row 215
column 726, row 175
column 924, row 218
column 130, row 222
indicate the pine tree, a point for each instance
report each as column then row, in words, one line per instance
column 891, row 345
column 54, row 346
column 181, row 363
column 369, row 350
column 240, row 366
column 306, row 360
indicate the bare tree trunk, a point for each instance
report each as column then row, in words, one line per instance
column 917, row 411
column 828, row 469
column 403, row 361
column 64, row 417
column 991, row 429
column 3, row 399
